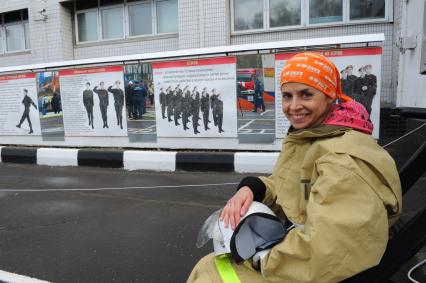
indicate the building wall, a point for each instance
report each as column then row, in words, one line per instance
column 412, row 85
column 202, row 23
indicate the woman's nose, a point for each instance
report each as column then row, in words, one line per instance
column 295, row 103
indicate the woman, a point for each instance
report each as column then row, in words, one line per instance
column 338, row 187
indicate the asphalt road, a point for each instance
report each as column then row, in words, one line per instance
column 110, row 235
column 80, row 224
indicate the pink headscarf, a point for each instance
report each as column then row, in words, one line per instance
column 350, row 114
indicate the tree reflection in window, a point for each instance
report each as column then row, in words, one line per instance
column 284, row 13
column 248, row 14
column 325, row 11
column 367, row 9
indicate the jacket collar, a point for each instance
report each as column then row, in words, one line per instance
column 321, row 131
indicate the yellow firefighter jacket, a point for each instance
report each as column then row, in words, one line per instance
column 342, row 191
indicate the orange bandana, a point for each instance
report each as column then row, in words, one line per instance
column 316, row 71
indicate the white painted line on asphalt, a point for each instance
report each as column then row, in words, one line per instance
column 0, row 154
column 16, row 278
column 117, row 189
column 149, row 160
column 246, row 125
column 263, row 113
column 257, row 119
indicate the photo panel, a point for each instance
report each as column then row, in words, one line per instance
column 18, row 105
column 360, row 73
column 256, row 98
column 140, row 104
column 196, row 98
column 93, row 101
column 50, row 106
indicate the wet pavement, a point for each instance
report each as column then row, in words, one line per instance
column 81, row 224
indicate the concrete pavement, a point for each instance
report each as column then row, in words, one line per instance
column 86, row 224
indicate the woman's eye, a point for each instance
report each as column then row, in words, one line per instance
column 286, row 96
column 306, row 94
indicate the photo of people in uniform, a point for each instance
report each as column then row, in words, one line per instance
column 88, row 103
column 27, row 102
column 96, row 106
column 196, row 98
column 360, row 76
column 118, row 96
column 361, row 88
column 103, row 102
column 183, row 107
column 140, row 103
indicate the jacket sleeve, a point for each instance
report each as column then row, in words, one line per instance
column 345, row 232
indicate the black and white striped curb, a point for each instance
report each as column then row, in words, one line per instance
column 241, row 162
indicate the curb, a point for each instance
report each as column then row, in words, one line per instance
column 166, row 161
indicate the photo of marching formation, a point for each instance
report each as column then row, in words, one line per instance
column 189, row 109
column 196, row 98
column 96, row 107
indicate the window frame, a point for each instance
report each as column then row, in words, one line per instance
column 387, row 18
column 126, row 21
column 3, row 34
column 97, row 25
column 100, row 23
column 304, row 23
column 302, row 14
column 308, row 24
column 153, row 21
column 21, row 25
column 247, row 30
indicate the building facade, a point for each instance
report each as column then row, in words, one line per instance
column 37, row 31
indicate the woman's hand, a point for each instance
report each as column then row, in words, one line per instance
column 236, row 207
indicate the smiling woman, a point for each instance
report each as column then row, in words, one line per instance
column 332, row 182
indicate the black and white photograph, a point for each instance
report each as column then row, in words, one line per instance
column 360, row 74
column 18, row 105
column 93, row 101
column 196, row 98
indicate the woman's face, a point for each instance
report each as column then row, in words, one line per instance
column 305, row 106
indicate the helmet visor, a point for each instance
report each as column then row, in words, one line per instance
column 210, row 230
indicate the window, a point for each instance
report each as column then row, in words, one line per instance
column 112, row 22
column 248, row 14
column 15, row 37
column 14, row 31
column 284, row 13
column 367, row 9
column 114, row 19
column 325, row 11
column 261, row 15
column 140, row 19
column 87, row 25
column 167, row 16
